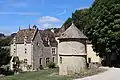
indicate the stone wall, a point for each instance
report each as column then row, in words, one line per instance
column 40, row 51
column 92, row 55
column 72, row 64
column 37, row 51
column 73, row 56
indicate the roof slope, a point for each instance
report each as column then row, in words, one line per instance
column 72, row 32
column 48, row 36
column 28, row 33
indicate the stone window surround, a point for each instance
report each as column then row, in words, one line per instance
column 53, row 50
column 40, row 61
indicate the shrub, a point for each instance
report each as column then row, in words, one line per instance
column 41, row 67
column 51, row 64
column 6, row 72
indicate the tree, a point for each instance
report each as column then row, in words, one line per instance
column 104, row 29
column 16, row 64
column 80, row 18
column 2, row 35
column 67, row 23
column 4, row 56
column 13, row 34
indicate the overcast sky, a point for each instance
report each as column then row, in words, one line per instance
column 43, row 13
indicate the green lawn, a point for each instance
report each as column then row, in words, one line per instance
column 51, row 74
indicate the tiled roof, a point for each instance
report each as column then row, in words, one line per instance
column 25, row 33
column 72, row 32
column 48, row 37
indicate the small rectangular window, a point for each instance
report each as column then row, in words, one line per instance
column 53, row 59
column 25, row 51
column 61, row 60
column 89, row 60
column 53, row 50
column 40, row 61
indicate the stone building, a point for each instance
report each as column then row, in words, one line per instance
column 34, row 48
column 72, row 51
column 92, row 56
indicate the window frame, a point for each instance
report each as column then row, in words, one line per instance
column 53, row 50
column 40, row 61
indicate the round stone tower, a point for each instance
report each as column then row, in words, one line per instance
column 72, row 53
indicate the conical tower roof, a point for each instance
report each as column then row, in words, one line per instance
column 72, row 32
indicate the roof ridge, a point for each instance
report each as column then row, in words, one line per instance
column 72, row 32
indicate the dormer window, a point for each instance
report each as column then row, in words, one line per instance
column 53, row 50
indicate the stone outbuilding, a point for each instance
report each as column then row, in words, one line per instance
column 72, row 51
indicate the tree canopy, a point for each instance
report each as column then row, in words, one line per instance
column 104, row 27
column 101, row 24
column 80, row 18
column 4, row 56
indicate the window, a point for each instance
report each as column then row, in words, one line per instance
column 53, row 50
column 25, row 51
column 25, row 61
column 47, row 60
column 14, row 50
column 53, row 59
column 40, row 61
column 61, row 60
column 37, row 44
column 89, row 60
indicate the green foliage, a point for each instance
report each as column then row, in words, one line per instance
column 51, row 64
column 80, row 19
column 67, row 23
column 56, row 30
column 16, row 64
column 101, row 24
column 48, row 74
column 2, row 35
column 88, row 72
column 5, row 41
column 4, row 56
column 103, row 28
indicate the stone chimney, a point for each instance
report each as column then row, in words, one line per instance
column 34, row 27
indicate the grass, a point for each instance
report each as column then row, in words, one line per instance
column 51, row 74
column 88, row 72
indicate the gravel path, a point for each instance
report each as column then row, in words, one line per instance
column 110, row 74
